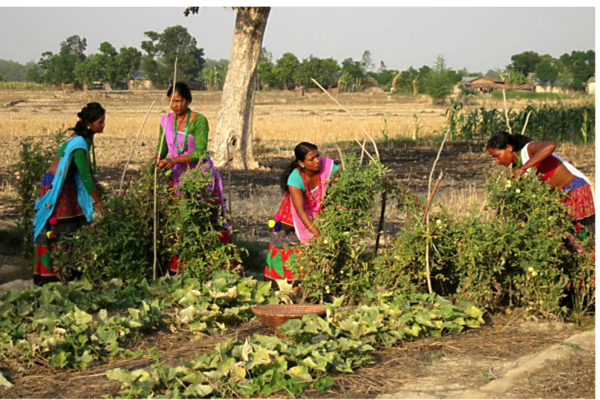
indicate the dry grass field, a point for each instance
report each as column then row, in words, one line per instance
column 281, row 120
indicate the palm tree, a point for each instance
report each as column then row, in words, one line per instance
column 232, row 140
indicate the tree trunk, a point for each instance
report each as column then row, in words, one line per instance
column 234, row 120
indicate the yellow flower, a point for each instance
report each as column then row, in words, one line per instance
column 518, row 191
column 531, row 269
column 534, row 273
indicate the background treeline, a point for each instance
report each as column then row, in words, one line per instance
column 70, row 65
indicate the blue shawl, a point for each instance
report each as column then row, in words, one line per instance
column 44, row 207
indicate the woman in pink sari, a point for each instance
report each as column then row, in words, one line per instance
column 304, row 184
column 186, row 149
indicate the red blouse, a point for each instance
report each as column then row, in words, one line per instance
column 547, row 167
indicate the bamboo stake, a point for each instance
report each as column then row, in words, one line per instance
column 341, row 156
column 364, row 149
column 156, row 175
column 134, row 146
column 353, row 117
column 429, row 199
column 381, row 217
column 526, row 122
column 506, row 112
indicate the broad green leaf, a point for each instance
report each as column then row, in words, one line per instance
column 81, row 317
column 197, row 391
column 299, row 372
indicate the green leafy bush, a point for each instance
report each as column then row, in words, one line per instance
column 120, row 244
column 336, row 263
column 522, row 256
column 35, row 158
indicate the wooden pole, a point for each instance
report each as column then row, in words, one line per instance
column 154, row 264
column 134, row 146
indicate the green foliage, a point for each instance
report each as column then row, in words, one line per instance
column 194, row 219
column 285, row 70
column 546, row 70
column 346, row 232
column 439, row 85
column 120, row 243
column 70, row 326
column 34, row 160
column 547, row 122
column 325, row 71
column 525, row 62
column 12, row 71
column 314, row 349
column 523, row 256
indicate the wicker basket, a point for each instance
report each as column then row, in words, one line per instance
column 274, row 315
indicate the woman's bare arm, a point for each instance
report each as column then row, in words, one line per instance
column 298, row 200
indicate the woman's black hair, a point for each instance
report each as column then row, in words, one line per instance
column 300, row 152
column 90, row 113
column 502, row 139
column 183, row 89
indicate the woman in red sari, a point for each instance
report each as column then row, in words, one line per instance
column 304, row 184
column 522, row 154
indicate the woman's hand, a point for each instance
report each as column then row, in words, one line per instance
column 166, row 163
column 517, row 172
column 315, row 231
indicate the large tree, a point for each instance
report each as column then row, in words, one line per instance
column 581, row 66
column 233, row 134
column 286, row 69
column 161, row 51
column 129, row 61
column 546, row 69
column 525, row 62
column 60, row 68
column 438, row 84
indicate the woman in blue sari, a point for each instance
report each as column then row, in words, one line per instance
column 69, row 192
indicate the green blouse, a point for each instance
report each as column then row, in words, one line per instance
column 198, row 129
column 81, row 163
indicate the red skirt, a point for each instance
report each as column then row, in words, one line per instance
column 66, row 218
column 579, row 199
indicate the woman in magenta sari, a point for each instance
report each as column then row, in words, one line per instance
column 186, row 149
column 304, row 184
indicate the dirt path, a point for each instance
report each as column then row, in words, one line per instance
column 460, row 377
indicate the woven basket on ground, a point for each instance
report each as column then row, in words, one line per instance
column 275, row 315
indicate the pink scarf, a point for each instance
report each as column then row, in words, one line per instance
column 312, row 200
column 178, row 169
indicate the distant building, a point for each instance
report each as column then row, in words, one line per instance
column 484, row 84
column 139, row 81
column 590, row 85
column 525, row 87
column 557, row 87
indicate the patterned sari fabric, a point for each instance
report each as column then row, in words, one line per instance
column 580, row 199
column 66, row 218
column 284, row 247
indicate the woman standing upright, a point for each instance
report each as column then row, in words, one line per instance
column 183, row 146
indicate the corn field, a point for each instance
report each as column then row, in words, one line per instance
column 559, row 123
